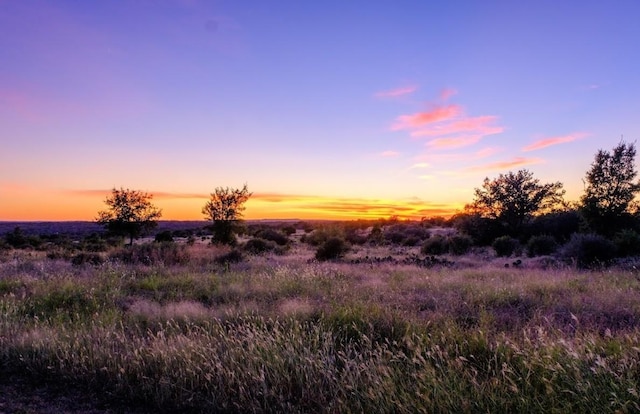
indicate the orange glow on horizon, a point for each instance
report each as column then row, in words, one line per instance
column 83, row 205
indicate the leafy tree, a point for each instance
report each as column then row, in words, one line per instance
column 513, row 198
column 130, row 214
column 610, row 189
column 224, row 210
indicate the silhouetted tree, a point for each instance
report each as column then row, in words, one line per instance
column 130, row 214
column 225, row 209
column 610, row 189
column 513, row 198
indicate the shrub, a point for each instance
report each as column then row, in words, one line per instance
column 505, row 246
column 627, row 243
column 164, row 237
column 152, row 253
column 234, row 256
column 589, row 250
column 83, row 258
column 460, row 244
column 541, row 245
column 332, row 248
column 274, row 236
column 437, row 244
column 259, row 246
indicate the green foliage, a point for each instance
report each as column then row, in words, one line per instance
column 321, row 235
column 589, row 250
column 505, row 246
column 331, row 249
column 513, row 198
column 610, row 189
column 436, row 244
column 224, row 210
column 561, row 224
column 460, row 244
column 130, row 213
column 541, row 245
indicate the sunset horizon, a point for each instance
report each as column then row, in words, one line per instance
column 326, row 111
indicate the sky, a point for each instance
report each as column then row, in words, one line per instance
column 325, row 109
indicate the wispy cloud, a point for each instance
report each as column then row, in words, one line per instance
column 481, row 125
column 348, row 208
column 548, row 142
column 447, row 93
column 397, row 92
column 448, row 126
column 454, row 142
column 421, row 119
column 505, row 165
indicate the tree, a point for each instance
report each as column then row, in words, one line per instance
column 224, row 210
column 130, row 213
column 514, row 198
column 610, row 189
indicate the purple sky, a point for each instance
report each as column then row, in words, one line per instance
column 320, row 107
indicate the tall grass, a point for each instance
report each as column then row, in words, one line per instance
column 276, row 335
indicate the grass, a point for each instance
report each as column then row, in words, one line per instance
column 282, row 334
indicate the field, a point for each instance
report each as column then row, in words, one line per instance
column 285, row 333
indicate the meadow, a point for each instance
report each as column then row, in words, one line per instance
column 283, row 332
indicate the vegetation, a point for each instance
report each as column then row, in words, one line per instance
column 363, row 316
column 281, row 334
column 513, row 198
column 130, row 213
column 224, row 210
column 610, row 189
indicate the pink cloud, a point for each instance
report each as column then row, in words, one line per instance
column 504, row 165
column 479, row 124
column 417, row 120
column 447, row 93
column 454, row 142
column 548, row 142
column 394, row 93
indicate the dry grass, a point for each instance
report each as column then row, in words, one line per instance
column 281, row 334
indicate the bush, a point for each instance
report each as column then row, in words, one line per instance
column 541, row 245
column 234, row 256
column 627, row 243
column 164, row 237
column 152, row 253
column 437, row 244
column 460, row 244
column 93, row 259
column 332, row 248
column 589, row 250
column 259, row 246
column 505, row 246
column 274, row 236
